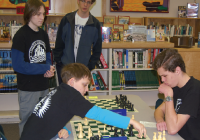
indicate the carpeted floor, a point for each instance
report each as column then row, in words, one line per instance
column 11, row 131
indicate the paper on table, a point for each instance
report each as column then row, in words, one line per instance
column 148, row 124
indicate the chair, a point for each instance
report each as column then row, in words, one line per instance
column 158, row 103
column 2, row 137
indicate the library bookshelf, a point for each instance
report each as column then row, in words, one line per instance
column 128, row 45
column 194, row 22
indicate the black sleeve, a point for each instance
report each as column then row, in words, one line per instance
column 48, row 49
column 97, row 47
column 60, row 44
column 80, row 106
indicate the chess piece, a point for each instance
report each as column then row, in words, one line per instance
column 132, row 107
column 99, row 133
column 111, row 128
column 122, row 132
column 163, row 132
column 154, row 136
column 104, row 129
column 115, row 134
column 80, row 127
column 96, row 137
column 80, row 135
column 91, row 138
column 131, row 134
column 133, row 117
column 86, row 121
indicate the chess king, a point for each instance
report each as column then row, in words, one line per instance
column 58, row 107
column 180, row 112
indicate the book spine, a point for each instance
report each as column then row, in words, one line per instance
column 103, row 61
column 95, row 81
column 101, row 85
column 127, row 59
column 120, row 60
column 102, row 80
column 130, row 58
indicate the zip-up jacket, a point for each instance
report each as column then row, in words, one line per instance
column 90, row 37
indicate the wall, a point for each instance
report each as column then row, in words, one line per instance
column 173, row 8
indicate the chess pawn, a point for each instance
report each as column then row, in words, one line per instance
column 104, row 130
column 79, row 127
column 163, row 132
column 80, row 135
column 154, row 136
column 133, row 117
column 99, row 133
column 86, row 121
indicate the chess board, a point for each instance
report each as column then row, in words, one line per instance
column 109, row 104
column 98, row 126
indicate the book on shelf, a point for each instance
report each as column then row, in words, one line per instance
column 52, row 33
column 151, row 33
column 138, row 33
column 192, row 10
column 106, row 34
column 99, row 65
column 160, row 34
column 13, row 30
column 182, row 11
column 106, row 87
column 8, row 83
column 5, row 60
column 97, row 82
column 4, row 34
column 103, row 61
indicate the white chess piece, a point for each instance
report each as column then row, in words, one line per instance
column 86, row 121
column 133, row 117
column 163, row 132
column 99, row 133
column 154, row 136
column 104, row 130
column 80, row 135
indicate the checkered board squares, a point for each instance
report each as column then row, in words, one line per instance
column 109, row 104
column 96, row 126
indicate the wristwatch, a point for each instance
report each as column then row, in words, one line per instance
column 168, row 98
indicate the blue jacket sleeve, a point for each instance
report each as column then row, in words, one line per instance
column 108, row 117
column 97, row 47
column 48, row 58
column 19, row 65
column 69, row 132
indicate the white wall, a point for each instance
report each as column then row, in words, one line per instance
column 173, row 10
column 96, row 8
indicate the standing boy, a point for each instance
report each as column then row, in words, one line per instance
column 59, row 106
column 78, row 32
column 31, row 60
column 180, row 112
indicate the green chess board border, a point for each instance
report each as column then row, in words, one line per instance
column 95, row 126
column 109, row 104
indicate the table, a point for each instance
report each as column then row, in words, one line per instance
column 145, row 114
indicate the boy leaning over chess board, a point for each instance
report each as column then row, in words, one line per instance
column 59, row 106
column 180, row 113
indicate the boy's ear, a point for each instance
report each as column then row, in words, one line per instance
column 71, row 82
column 178, row 70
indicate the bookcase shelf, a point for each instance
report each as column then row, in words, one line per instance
column 194, row 22
column 132, row 69
column 6, row 71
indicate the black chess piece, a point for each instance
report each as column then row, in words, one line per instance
column 122, row 132
column 91, row 138
column 115, row 134
column 96, row 137
column 131, row 134
column 111, row 128
column 132, row 107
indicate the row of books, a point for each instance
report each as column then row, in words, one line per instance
column 133, row 58
column 141, row 79
column 97, row 82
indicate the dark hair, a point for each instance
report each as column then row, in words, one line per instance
column 93, row 1
column 31, row 8
column 75, row 70
column 169, row 59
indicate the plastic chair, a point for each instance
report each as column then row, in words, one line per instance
column 158, row 103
